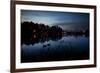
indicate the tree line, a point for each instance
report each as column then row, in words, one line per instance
column 33, row 31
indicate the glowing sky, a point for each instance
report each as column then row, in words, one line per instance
column 66, row 20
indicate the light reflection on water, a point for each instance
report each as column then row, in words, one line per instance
column 66, row 48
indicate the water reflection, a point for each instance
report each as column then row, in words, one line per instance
column 55, row 48
column 41, row 39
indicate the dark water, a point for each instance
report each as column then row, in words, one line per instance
column 56, row 49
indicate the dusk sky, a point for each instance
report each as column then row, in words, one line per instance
column 65, row 20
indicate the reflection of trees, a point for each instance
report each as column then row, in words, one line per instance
column 33, row 33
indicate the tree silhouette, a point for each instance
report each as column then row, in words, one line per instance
column 31, row 32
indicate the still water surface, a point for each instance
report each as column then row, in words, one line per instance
column 64, row 48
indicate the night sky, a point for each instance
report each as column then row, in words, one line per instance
column 65, row 20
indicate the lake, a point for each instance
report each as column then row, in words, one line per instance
column 56, row 49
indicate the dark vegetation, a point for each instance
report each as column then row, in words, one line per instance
column 33, row 33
